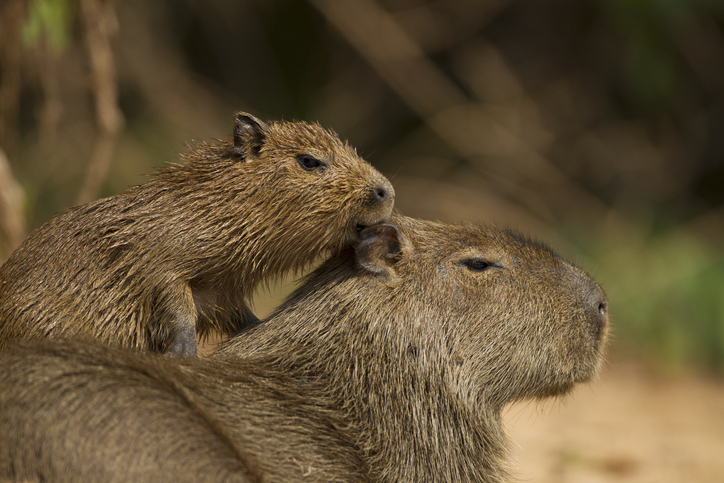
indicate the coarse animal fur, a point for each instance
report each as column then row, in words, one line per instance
column 151, row 267
column 392, row 362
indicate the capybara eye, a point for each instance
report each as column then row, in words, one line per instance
column 477, row 264
column 310, row 162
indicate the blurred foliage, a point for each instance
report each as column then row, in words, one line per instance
column 48, row 19
column 666, row 295
column 594, row 124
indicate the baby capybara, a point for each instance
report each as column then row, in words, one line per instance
column 180, row 254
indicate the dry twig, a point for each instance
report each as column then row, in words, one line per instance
column 99, row 21
column 12, row 222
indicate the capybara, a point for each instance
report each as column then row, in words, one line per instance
column 392, row 362
column 179, row 254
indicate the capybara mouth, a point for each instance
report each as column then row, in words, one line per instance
column 361, row 224
column 359, row 227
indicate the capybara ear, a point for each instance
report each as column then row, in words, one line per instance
column 249, row 134
column 380, row 247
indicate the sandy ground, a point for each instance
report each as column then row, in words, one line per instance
column 629, row 426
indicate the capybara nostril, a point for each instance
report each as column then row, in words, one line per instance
column 380, row 193
column 603, row 308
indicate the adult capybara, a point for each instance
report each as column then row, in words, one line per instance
column 392, row 362
column 151, row 267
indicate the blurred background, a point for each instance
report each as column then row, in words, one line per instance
column 594, row 125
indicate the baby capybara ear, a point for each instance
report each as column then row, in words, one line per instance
column 249, row 134
column 380, row 247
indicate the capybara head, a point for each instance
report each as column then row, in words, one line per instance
column 423, row 331
column 503, row 317
column 516, row 319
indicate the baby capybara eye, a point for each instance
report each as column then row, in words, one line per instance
column 310, row 162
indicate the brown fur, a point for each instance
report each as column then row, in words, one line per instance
column 391, row 363
column 150, row 267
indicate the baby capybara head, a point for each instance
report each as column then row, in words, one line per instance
column 315, row 158
column 297, row 175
